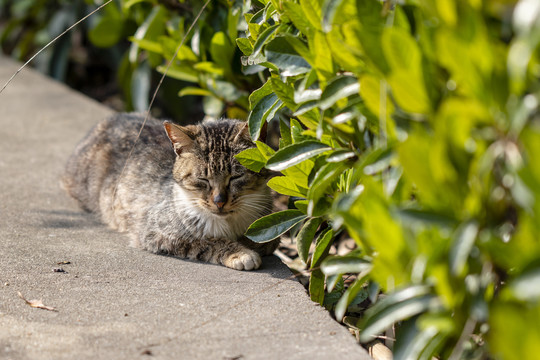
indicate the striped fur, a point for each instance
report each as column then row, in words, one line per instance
column 182, row 192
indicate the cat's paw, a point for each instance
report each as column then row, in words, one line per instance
column 243, row 260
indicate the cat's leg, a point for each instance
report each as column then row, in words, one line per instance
column 262, row 249
column 226, row 252
column 241, row 259
column 214, row 250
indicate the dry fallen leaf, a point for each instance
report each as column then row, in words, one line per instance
column 36, row 303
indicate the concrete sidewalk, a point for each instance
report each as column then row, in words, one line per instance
column 116, row 302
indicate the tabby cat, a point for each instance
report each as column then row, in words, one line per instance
column 181, row 192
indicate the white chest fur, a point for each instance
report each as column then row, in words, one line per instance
column 212, row 225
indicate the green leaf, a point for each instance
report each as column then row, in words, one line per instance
column 213, row 107
column 300, row 173
column 348, row 296
column 399, row 305
column 284, row 92
column 340, row 155
column 129, row 3
column 525, row 287
column 337, row 89
column 334, row 265
column 252, row 159
column 263, row 111
column 295, row 13
column 280, row 53
column 301, row 205
column 107, row 32
column 329, row 9
column 316, row 286
column 400, row 49
column 284, row 185
column 225, row 90
column 322, row 181
column 420, row 339
column 195, row 91
column 263, row 38
column 305, row 237
column 265, row 150
column 322, row 247
column 169, row 47
column 322, row 57
column 295, row 154
column 258, row 94
column 209, row 67
column 299, row 46
column 409, row 91
column 514, row 331
column 148, row 45
column 140, row 87
column 245, row 46
column 221, row 50
column 462, row 246
column 181, row 72
column 272, row 226
column 285, row 134
column 151, row 28
column 312, row 11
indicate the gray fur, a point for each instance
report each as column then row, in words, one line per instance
column 181, row 192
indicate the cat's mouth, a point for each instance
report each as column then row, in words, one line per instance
column 221, row 213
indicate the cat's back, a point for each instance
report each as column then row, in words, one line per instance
column 101, row 156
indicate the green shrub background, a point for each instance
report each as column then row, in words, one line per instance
column 411, row 125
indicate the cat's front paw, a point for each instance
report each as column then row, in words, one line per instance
column 243, row 260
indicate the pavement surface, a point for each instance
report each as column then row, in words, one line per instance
column 113, row 301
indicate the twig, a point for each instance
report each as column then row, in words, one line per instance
column 52, row 42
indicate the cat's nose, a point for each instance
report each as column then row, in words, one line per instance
column 220, row 200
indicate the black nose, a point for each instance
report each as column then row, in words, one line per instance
column 220, row 200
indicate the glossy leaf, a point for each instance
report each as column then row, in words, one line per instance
column 329, row 10
column 280, row 53
column 462, row 247
column 345, row 264
column 316, row 286
column 378, row 322
column 251, row 159
column 271, row 226
column 322, row 246
column 348, row 297
column 284, row 185
column 263, row 38
column 263, row 111
column 337, row 89
column 221, row 50
column 295, row 154
column 305, row 237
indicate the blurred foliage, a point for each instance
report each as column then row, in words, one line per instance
column 412, row 126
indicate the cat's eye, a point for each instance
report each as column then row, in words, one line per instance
column 202, row 183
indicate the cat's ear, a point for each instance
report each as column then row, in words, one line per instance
column 243, row 132
column 181, row 137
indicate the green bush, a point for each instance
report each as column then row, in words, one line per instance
column 411, row 126
column 414, row 128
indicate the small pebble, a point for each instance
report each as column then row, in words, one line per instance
column 59, row 270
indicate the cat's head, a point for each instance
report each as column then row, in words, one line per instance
column 207, row 170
